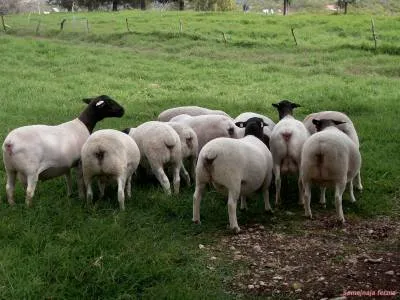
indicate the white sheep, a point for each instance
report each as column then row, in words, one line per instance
column 168, row 114
column 286, row 143
column 189, row 149
column 329, row 158
column 243, row 117
column 347, row 127
column 237, row 167
column 41, row 152
column 109, row 154
column 208, row 127
column 159, row 146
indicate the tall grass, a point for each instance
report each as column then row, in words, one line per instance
column 61, row 249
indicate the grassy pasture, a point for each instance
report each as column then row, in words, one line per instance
column 60, row 249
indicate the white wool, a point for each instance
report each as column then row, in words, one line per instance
column 236, row 167
column 286, row 143
column 209, row 127
column 347, row 127
column 110, row 155
column 329, row 158
column 168, row 114
column 190, row 148
column 159, row 145
column 50, row 151
column 243, row 117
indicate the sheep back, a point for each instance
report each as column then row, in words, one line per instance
column 168, row 114
column 347, row 127
column 158, row 143
column 209, row 127
column 49, row 150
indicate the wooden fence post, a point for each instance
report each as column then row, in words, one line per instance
column 62, row 24
column 373, row 32
column 38, row 26
column 294, row 37
column 4, row 24
column 224, row 36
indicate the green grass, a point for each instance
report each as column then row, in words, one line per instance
column 60, row 249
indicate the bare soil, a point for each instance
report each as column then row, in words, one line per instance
column 319, row 259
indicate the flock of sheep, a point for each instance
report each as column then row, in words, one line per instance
column 237, row 156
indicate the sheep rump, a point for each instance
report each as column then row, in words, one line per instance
column 235, row 167
column 110, row 155
column 329, row 158
column 159, row 146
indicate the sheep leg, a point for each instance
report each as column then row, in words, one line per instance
column 277, row 173
column 243, row 203
column 339, row 189
column 163, row 179
column 351, row 190
column 198, row 193
column 68, row 180
column 121, row 194
column 358, row 181
column 176, row 178
column 232, row 203
column 307, row 199
column 128, row 187
column 102, row 186
column 89, row 191
column 192, row 170
column 32, row 180
column 265, row 191
column 185, row 174
column 300, row 185
column 80, row 181
column 322, row 198
column 10, row 186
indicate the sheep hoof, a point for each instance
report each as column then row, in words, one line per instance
column 236, row 230
column 323, row 205
column 197, row 222
column 269, row 211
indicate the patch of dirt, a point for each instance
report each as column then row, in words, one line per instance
column 321, row 259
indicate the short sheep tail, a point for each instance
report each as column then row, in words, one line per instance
column 208, row 160
column 169, row 142
column 8, row 148
column 286, row 135
column 99, row 154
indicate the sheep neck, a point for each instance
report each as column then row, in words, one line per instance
column 89, row 118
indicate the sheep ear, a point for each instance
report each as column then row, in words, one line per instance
column 87, row 100
column 338, row 122
column 316, row 122
column 265, row 124
column 126, row 130
column 240, row 124
column 275, row 105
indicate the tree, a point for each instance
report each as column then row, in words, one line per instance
column 342, row 4
column 286, row 4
